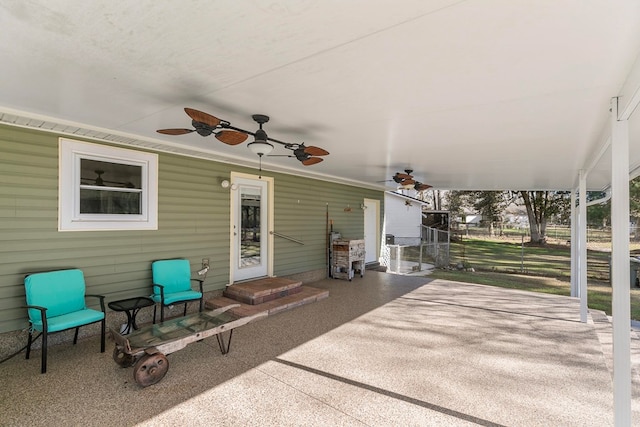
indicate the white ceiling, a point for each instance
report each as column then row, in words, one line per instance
column 491, row 94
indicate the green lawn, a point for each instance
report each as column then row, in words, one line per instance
column 538, row 269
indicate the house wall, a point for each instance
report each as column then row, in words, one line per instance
column 193, row 223
column 402, row 220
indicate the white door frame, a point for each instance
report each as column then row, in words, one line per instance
column 266, row 229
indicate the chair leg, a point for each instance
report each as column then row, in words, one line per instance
column 161, row 313
column 155, row 307
column 103, row 333
column 44, row 352
column 201, row 304
column 29, row 341
column 185, row 309
column 75, row 336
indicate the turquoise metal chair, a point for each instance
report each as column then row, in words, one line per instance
column 172, row 285
column 56, row 303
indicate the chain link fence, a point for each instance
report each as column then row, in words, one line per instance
column 406, row 255
column 597, row 237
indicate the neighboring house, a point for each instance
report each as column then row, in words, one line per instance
column 403, row 218
column 472, row 220
column 184, row 212
column 516, row 217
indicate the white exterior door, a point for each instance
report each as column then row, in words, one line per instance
column 371, row 230
column 250, row 246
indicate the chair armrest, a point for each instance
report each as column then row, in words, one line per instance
column 161, row 287
column 101, row 297
column 43, row 314
column 200, row 281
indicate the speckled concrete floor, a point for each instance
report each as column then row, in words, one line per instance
column 383, row 350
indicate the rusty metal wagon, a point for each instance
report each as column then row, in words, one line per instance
column 146, row 349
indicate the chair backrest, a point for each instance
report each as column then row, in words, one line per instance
column 173, row 274
column 61, row 292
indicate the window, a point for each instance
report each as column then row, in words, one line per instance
column 106, row 188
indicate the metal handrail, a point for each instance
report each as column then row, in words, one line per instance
column 284, row 236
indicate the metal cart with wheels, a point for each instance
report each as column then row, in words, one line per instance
column 146, row 349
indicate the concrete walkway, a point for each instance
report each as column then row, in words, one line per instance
column 383, row 350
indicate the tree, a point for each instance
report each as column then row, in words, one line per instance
column 634, row 204
column 456, row 202
column 542, row 205
column 437, row 200
column 433, row 197
column 599, row 215
column 491, row 205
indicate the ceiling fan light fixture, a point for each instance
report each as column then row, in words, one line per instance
column 260, row 146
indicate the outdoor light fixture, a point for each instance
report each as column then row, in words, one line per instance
column 226, row 184
column 260, row 146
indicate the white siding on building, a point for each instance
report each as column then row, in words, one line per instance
column 403, row 219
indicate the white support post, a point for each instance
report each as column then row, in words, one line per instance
column 582, row 246
column 621, row 310
column 574, row 246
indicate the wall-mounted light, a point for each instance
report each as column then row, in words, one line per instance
column 348, row 208
column 363, row 206
column 226, row 184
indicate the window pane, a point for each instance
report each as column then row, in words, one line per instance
column 107, row 174
column 110, row 202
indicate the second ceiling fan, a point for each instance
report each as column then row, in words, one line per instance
column 206, row 124
column 406, row 181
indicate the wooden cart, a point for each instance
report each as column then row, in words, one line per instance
column 146, row 348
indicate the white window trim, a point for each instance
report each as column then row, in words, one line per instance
column 69, row 218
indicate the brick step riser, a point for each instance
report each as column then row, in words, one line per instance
column 259, row 299
column 306, row 295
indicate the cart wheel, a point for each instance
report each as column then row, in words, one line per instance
column 150, row 369
column 123, row 359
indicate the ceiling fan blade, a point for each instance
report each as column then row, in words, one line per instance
column 422, row 187
column 316, row 151
column 408, row 182
column 201, row 117
column 311, row 161
column 403, row 176
column 175, row 131
column 231, row 137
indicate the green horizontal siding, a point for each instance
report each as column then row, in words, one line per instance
column 193, row 223
column 302, row 207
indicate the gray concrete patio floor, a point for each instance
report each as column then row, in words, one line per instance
column 383, row 350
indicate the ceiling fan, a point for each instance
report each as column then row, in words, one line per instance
column 206, row 124
column 406, row 181
column 98, row 181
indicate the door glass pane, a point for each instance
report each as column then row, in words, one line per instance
column 249, row 227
